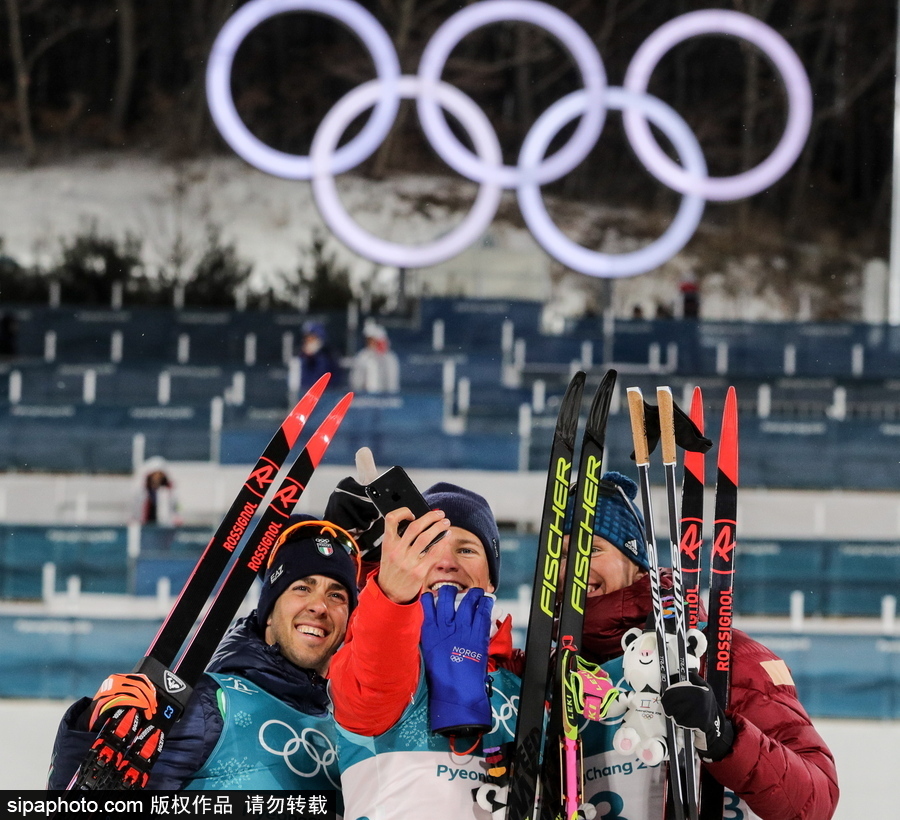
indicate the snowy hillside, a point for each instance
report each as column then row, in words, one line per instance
column 271, row 220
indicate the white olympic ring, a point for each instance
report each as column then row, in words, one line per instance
column 367, row 245
column 595, row 263
column 568, row 33
column 302, row 742
column 786, row 61
column 252, row 149
column 485, row 166
column 504, row 713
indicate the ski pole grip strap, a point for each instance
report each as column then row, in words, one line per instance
column 666, row 423
column 638, row 428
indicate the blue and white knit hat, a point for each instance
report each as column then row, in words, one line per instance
column 618, row 521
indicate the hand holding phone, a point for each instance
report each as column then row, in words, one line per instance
column 404, row 566
column 395, row 489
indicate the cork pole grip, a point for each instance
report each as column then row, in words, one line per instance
column 666, row 424
column 638, row 428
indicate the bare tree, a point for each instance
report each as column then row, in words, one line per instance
column 126, row 18
column 206, row 19
column 23, row 80
column 58, row 23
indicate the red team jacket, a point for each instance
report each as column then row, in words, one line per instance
column 779, row 764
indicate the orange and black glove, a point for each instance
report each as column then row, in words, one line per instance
column 128, row 690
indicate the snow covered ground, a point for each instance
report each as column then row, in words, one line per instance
column 269, row 220
column 866, row 753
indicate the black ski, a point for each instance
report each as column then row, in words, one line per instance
column 561, row 777
column 721, row 588
column 525, row 764
column 128, row 744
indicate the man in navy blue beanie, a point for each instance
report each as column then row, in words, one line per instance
column 421, row 687
column 268, row 671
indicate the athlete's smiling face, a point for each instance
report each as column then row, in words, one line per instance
column 461, row 561
column 309, row 620
column 610, row 570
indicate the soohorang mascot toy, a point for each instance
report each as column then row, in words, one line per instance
column 643, row 730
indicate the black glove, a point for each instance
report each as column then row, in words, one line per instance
column 349, row 507
column 692, row 705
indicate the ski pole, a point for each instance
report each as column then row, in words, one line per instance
column 642, row 460
column 687, row 760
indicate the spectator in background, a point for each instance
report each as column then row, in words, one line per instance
column 375, row 368
column 157, row 503
column 315, row 357
column 9, row 336
column 690, row 295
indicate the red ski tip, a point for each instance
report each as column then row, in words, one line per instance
column 320, row 440
column 697, row 408
column 694, row 462
column 293, row 424
column 728, row 441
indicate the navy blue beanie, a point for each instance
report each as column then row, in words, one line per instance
column 303, row 552
column 471, row 512
column 616, row 520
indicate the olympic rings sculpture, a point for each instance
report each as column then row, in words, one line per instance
column 485, row 166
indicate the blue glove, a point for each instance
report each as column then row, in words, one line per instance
column 455, row 652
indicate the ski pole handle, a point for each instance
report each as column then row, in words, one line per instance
column 638, row 426
column 666, row 406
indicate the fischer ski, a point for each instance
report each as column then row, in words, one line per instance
column 561, row 790
column 721, row 588
column 642, row 460
column 129, row 742
column 525, row 764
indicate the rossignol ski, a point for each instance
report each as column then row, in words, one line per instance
column 130, row 740
column 525, row 764
column 691, row 541
column 687, row 759
column 561, row 789
column 642, row 460
column 721, row 587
